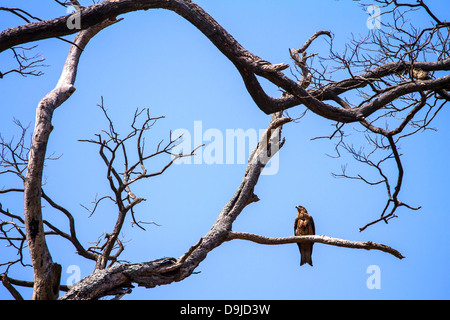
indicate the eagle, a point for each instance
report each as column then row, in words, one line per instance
column 304, row 225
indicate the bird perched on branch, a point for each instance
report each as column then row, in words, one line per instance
column 303, row 226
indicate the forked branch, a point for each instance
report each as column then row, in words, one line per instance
column 118, row 279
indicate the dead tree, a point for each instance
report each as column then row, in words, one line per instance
column 399, row 73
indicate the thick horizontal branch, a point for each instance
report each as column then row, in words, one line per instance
column 368, row 245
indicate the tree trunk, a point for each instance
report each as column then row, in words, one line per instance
column 47, row 274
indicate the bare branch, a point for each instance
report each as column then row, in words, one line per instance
column 27, row 66
column 114, row 149
column 7, row 284
column 167, row 270
column 73, row 236
column 251, row 66
column 368, row 245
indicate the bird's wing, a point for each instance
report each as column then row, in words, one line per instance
column 313, row 227
column 295, row 226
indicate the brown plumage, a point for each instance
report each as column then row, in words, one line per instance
column 304, row 225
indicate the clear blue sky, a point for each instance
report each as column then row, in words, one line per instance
column 156, row 59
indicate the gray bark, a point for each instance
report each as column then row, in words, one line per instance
column 46, row 272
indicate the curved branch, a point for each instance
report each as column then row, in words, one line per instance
column 248, row 64
column 73, row 235
column 368, row 245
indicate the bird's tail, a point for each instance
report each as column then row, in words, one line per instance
column 306, row 258
column 306, row 255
